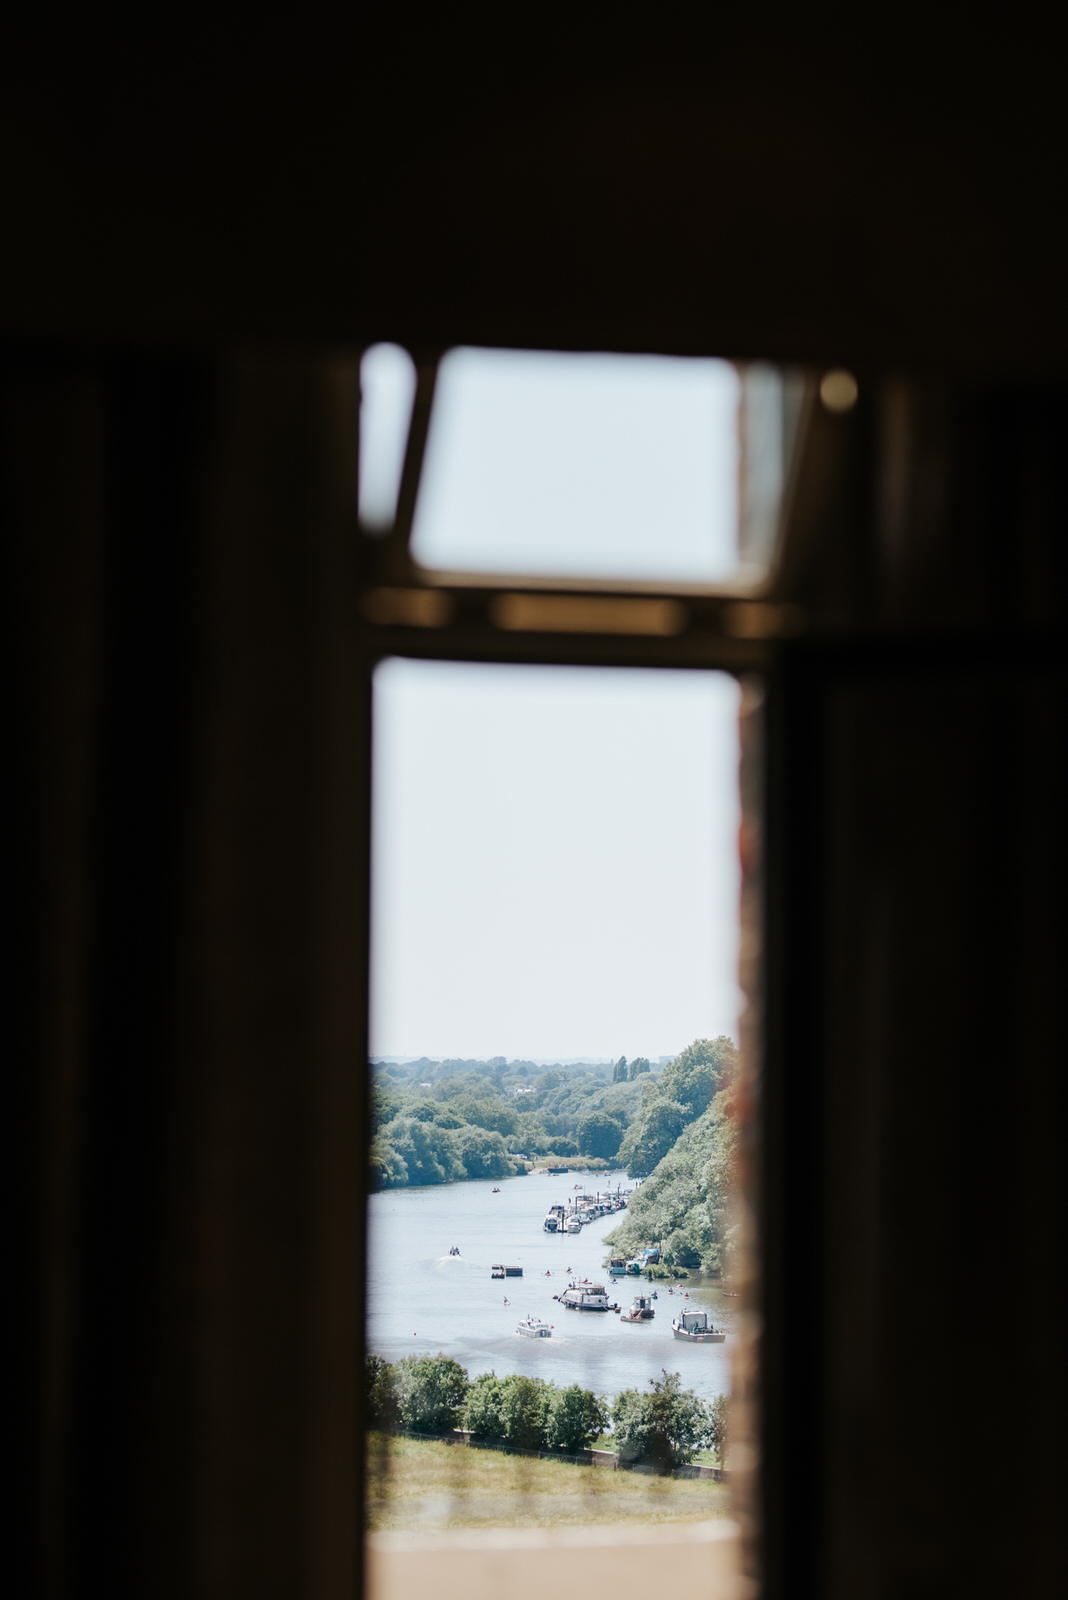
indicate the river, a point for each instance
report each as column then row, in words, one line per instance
column 421, row 1300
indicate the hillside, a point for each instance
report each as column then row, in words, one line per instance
column 684, row 1206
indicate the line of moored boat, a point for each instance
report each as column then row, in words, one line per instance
column 586, row 1208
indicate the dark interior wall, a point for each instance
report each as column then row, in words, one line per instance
column 918, row 763
column 881, row 187
column 185, row 724
column 185, row 908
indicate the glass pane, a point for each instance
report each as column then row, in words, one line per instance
column 387, row 394
column 600, row 466
column 554, row 1004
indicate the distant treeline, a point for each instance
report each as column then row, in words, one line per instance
column 434, row 1122
column 433, row 1394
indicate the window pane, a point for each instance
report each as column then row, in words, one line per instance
column 554, row 986
column 387, row 394
column 600, row 466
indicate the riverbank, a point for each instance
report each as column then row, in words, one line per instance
column 421, row 1485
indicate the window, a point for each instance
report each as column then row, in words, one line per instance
column 490, row 600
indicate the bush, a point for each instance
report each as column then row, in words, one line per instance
column 575, row 1418
column 662, row 1429
column 432, row 1392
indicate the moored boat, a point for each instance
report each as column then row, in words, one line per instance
column 695, row 1328
column 585, row 1296
column 555, row 1220
column 641, row 1310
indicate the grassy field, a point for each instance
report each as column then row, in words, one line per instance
column 421, row 1485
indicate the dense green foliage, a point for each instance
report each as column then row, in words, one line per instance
column 685, row 1205
column 673, row 1100
column 434, row 1122
column 717, row 1431
column 599, row 1134
column 431, row 1394
column 664, row 1428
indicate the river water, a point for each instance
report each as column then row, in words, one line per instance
column 421, row 1300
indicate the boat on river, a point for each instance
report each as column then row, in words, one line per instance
column 534, row 1328
column 641, row 1310
column 617, row 1267
column 695, row 1328
column 585, row 1296
column 555, row 1220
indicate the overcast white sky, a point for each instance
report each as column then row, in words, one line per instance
column 555, row 860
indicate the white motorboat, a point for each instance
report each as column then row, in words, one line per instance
column 555, row 1220
column 574, row 1225
column 534, row 1328
column 695, row 1328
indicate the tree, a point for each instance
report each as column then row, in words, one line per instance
column 483, row 1415
column 427, row 1151
column 717, row 1429
column 652, row 1136
column 576, row 1417
column 664, row 1428
column 383, row 1398
column 432, row 1391
column 698, row 1072
column 388, row 1169
column 680, row 1250
column 489, row 1112
column 524, row 1407
column 639, row 1065
column 619, row 1071
column 599, row 1135
column 484, row 1155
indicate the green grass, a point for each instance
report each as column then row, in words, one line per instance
column 420, row 1484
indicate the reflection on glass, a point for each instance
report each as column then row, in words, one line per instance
column 387, row 393
column 554, row 999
